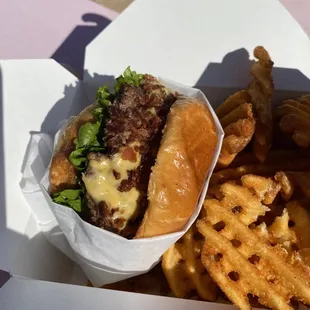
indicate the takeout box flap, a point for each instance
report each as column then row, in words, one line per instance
column 37, row 295
column 207, row 43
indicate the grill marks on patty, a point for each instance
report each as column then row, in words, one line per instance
column 137, row 115
column 102, row 216
column 130, row 120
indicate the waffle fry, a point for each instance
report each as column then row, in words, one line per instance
column 305, row 99
column 305, row 256
column 184, row 270
column 280, row 233
column 274, row 156
column 295, row 119
column 264, row 188
column 290, row 181
column 266, row 169
column 232, row 103
column 241, row 261
column 236, row 117
column 286, row 183
column 300, row 222
column 261, row 90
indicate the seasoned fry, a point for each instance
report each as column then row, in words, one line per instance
column 305, row 99
column 305, row 256
column 274, row 156
column 267, row 169
column 293, row 107
column 279, row 232
column 236, row 117
column 184, row 270
column 241, row 112
column 241, row 201
column 300, row 222
column 237, row 137
column 290, row 181
column 175, row 270
column 242, row 261
column 264, row 188
column 286, row 183
column 232, row 102
column 295, row 119
column 261, row 90
column 238, row 134
column 302, row 179
column 237, row 277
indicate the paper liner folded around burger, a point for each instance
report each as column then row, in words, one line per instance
column 177, row 186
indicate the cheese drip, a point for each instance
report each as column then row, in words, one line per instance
column 102, row 185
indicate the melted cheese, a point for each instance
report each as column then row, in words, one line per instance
column 152, row 110
column 102, row 185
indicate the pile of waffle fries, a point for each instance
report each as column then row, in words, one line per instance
column 252, row 240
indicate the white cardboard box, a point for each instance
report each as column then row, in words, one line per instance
column 195, row 42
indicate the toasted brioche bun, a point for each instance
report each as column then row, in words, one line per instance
column 183, row 160
column 63, row 175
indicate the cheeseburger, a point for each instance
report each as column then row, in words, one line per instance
column 135, row 161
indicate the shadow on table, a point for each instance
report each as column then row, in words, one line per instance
column 72, row 51
column 219, row 80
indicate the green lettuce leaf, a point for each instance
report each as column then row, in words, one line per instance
column 72, row 198
column 87, row 135
column 128, row 77
column 87, row 139
column 78, row 158
column 98, row 112
column 91, row 135
column 104, row 96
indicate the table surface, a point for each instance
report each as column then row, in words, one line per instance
column 58, row 29
column 300, row 10
column 116, row 5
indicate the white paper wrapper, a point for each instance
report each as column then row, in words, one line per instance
column 105, row 257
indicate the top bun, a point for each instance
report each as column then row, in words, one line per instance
column 183, row 160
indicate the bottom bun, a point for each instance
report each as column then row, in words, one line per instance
column 183, row 160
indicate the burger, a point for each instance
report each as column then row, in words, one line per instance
column 135, row 161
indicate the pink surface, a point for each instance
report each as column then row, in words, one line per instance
column 300, row 9
column 57, row 28
column 37, row 28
